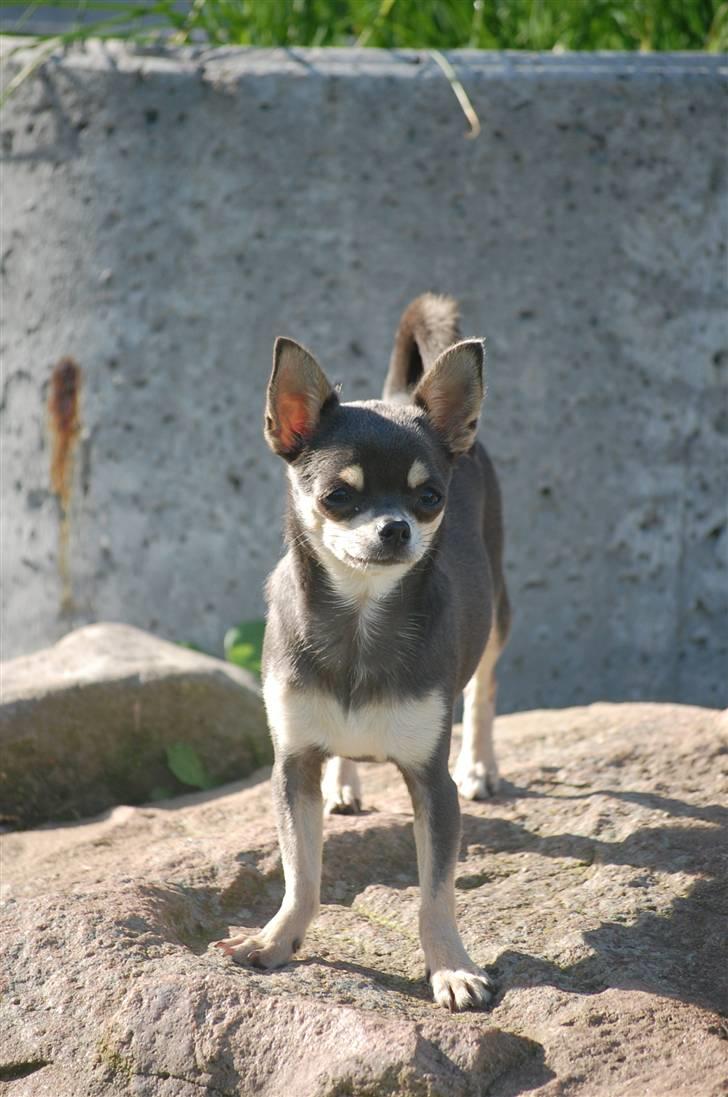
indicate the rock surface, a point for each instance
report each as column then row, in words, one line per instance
column 86, row 723
column 593, row 888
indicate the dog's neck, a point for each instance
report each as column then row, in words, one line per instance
column 347, row 613
column 357, row 636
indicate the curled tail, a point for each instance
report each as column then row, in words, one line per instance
column 429, row 325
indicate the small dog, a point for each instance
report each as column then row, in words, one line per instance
column 388, row 603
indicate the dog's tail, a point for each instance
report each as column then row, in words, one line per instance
column 429, row 325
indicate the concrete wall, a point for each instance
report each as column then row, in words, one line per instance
column 165, row 216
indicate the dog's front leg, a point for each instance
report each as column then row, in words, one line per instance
column 457, row 983
column 296, row 782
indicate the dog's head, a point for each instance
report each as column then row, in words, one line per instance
column 369, row 480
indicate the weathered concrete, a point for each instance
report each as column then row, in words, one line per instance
column 88, row 724
column 167, row 215
column 598, row 903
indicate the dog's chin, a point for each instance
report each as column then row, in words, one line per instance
column 376, row 562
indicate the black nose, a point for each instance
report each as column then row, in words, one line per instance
column 395, row 532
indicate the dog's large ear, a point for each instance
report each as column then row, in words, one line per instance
column 451, row 393
column 297, row 393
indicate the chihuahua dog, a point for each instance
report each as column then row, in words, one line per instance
column 389, row 602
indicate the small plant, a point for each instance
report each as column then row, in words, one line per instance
column 187, row 766
column 244, row 645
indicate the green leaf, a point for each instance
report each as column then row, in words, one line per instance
column 244, row 645
column 187, row 766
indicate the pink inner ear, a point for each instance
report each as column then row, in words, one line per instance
column 294, row 418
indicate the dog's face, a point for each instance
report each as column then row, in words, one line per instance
column 372, row 491
column 369, row 480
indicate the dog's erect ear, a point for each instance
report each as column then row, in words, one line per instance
column 451, row 393
column 297, row 392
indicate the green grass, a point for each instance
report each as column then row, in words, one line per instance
column 422, row 24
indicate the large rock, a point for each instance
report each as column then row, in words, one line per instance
column 594, row 889
column 87, row 723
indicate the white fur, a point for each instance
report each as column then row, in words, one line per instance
column 305, row 505
column 341, row 786
column 399, row 399
column 417, row 474
column 353, row 475
column 405, row 731
column 359, row 585
column 352, row 543
column 476, row 770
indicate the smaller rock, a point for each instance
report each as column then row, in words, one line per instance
column 88, row 723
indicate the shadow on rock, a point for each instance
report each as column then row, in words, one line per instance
column 678, row 954
column 400, row 984
column 372, row 854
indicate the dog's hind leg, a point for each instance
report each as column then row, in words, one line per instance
column 341, row 787
column 299, row 814
column 476, row 770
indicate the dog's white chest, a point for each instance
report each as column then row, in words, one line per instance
column 403, row 730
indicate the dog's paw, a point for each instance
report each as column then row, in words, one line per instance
column 475, row 782
column 341, row 787
column 261, row 951
column 341, row 801
column 460, row 990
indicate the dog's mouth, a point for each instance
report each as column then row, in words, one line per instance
column 379, row 559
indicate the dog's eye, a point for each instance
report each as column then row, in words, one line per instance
column 340, row 497
column 430, row 498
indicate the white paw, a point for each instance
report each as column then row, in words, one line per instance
column 342, row 801
column 459, row 990
column 341, row 787
column 263, row 950
column 475, row 782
